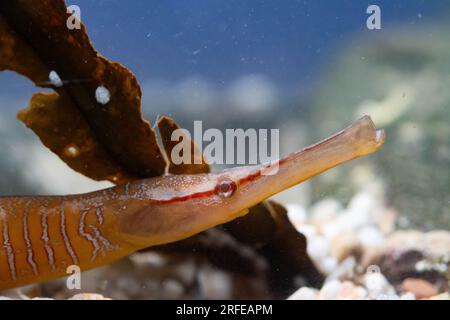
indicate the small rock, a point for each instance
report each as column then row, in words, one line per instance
column 304, row 293
column 172, row 289
column 408, row 296
column 130, row 285
column 378, row 287
column 370, row 236
column 88, row 296
column 308, row 230
column 318, row 249
column 337, row 290
column 437, row 243
column 148, row 259
column 296, row 214
column 364, row 203
column 349, row 291
column 345, row 270
column 442, row 296
column 328, row 264
column 404, row 240
column 214, row 284
column 324, row 211
column 330, row 290
column 419, row 287
column 344, row 245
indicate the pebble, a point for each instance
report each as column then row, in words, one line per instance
column 328, row 264
column 214, row 284
column 88, row 296
column 442, row 296
column 377, row 286
column 370, row 236
column 404, row 239
column 308, row 230
column 345, row 270
column 346, row 290
column 305, row 293
column 148, row 259
column 325, row 211
column 296, row 214
column 343, row 245
column 172, row 289
column 318, row 248
column 349, row 291
column 330, row 290
column 419, row 287
column 408, row 296
column 437, row 243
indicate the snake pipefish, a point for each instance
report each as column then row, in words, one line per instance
column 42, row 235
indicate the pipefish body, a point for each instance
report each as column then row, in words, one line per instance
column 42, row 235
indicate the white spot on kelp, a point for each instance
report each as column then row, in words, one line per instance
column 55, row 79
column 71, row 151
column 102, row 95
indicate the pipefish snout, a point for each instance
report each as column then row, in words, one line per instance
column 42, row 235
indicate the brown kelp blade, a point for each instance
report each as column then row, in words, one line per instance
column 34, row 40
column 64, row 130
column 196, row 163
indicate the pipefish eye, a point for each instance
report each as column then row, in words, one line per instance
column 226, row 188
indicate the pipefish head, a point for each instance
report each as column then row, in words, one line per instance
column 179, row 206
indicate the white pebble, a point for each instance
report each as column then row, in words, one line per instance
column 370, row 236
column 304, row 293
column 102, row 95
column 346, row 269
column 214, row 284
column 55, row 79
column 309, row 231
column 328, row 264
column 360, row 293
column 378, row 287
column 422, row 266
column 330, row 290
column 296, row 214
column 408, row 296
column 129, row 285
column 325, row 211
column 172, row 289
column 375, row 282
column 149, row 259
column 386, row 297
column 350, row 291
column 363, row 202
column 318, row 248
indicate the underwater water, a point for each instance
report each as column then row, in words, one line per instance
column 306, row 69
